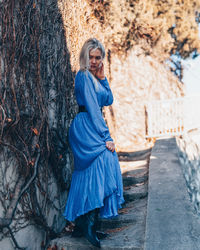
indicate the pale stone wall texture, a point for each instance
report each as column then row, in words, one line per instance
column 135, row 80
column 189, row 156
column 134, row 77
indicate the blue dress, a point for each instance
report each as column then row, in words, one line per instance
column 96, row 180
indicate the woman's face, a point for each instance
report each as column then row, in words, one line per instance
column 95, row 60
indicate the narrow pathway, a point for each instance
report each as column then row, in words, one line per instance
column 127, row 231
column 171, row 223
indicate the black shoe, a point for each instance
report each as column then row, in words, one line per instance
column 86, row 224
column 100, row 235
column 77, row 232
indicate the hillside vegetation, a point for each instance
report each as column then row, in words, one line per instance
column 166, row 26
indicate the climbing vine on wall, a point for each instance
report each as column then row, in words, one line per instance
column 36, row 108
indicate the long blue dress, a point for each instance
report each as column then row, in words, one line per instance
column 96, row 180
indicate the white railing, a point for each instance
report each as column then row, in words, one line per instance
column 173, row 116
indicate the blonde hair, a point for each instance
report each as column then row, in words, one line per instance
column 90, row 44
column 84, row 62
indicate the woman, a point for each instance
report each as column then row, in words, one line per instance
column 96, row 185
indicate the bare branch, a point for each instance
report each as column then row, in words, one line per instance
column 5, row 222
column 14, row 240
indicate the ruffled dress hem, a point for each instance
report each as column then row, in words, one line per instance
column 98, row 186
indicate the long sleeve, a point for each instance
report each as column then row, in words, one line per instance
column 89, row 98
column 105, row 83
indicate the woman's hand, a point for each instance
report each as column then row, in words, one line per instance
column 100, row 72
column 110, row 145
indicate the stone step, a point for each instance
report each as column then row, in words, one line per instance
column 129, row 214
column 69, row 243
column 134, row 156
column 134, row 172
column 125, row 236
column 131, row 179
column 136, row 166
column 136, row 192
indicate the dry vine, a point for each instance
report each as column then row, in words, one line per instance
column 36, row 107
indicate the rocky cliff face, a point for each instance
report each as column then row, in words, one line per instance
column 137, row 79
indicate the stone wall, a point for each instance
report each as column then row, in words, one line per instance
column 37, row 105
column 137, row 79
column 189, row 156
